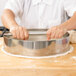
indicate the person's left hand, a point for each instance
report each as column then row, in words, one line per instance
column 56, row 32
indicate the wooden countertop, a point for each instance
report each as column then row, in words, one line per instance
column 60, row 66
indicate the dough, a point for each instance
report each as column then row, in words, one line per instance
column 72, row 36
column 63, row 54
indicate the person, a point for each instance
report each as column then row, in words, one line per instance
column 20, row 15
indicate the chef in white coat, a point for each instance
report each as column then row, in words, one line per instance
column 39, row 14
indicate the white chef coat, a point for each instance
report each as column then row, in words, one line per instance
column 41, row 13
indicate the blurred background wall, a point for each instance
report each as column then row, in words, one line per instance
column 2, row 4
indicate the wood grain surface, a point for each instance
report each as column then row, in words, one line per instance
column 60, row 66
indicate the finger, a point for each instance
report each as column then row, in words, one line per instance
column 57, row 34
column 21, row 33
column 26, row 34
column 18, row 33
column 53, row 35
column 13, row 32
column 60, row 35
column 48, row 34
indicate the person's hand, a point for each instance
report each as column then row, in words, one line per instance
column 19, row 32
column 56, row 32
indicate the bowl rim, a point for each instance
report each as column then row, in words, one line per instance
column 66, row 36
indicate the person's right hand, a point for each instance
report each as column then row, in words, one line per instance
column 19, row 32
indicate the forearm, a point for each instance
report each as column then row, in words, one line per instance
column 8, row 19
column 70, row 24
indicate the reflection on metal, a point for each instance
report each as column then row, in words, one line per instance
column 37, row 45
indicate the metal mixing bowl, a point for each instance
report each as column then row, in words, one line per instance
column 37, row 45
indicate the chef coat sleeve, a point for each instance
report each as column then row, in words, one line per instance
column 16, row 6
column 70, row 7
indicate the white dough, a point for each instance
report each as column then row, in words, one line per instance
column 63, row 54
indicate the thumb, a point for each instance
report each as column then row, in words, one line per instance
column 48, row 35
